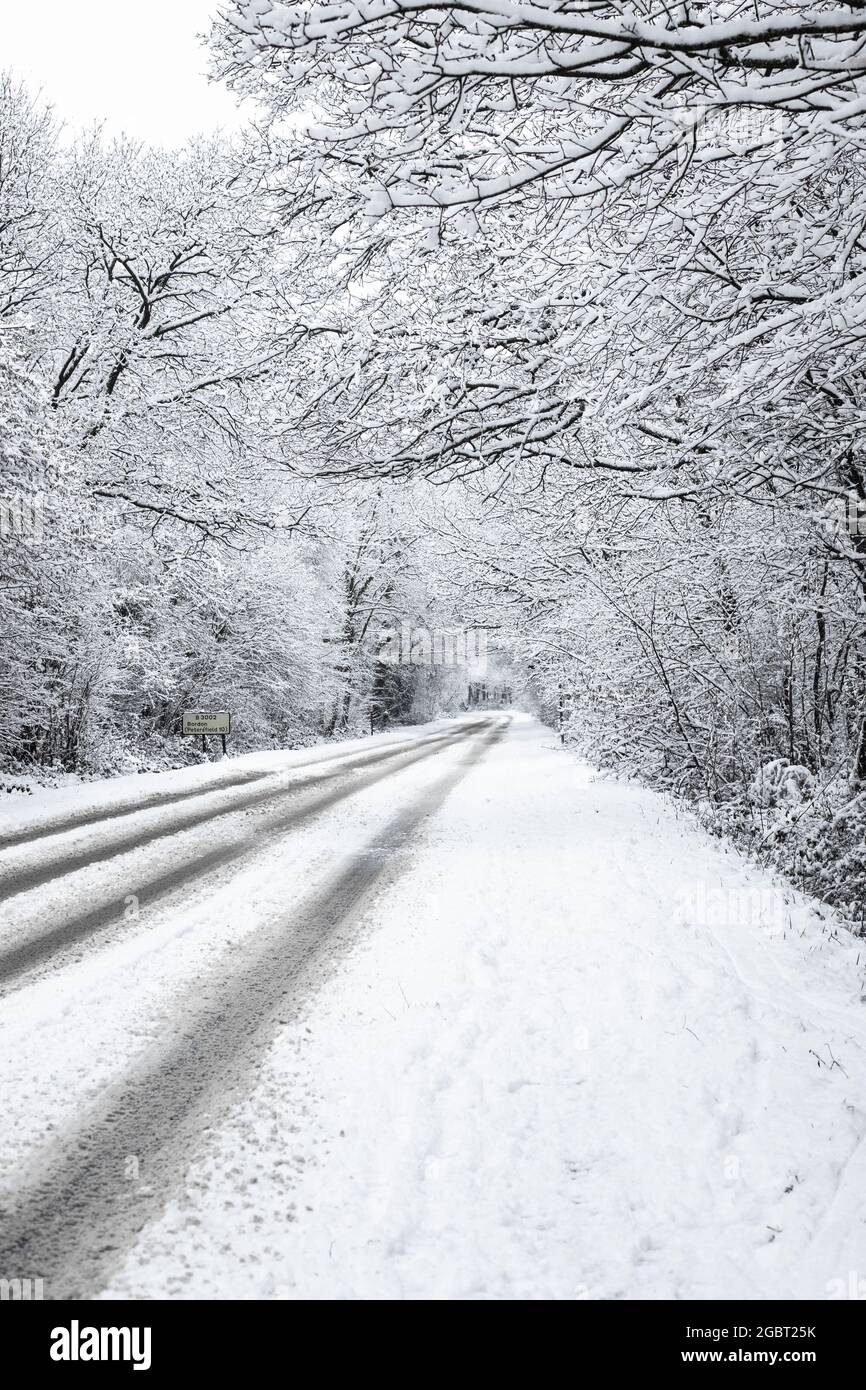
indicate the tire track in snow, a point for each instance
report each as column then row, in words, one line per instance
column 81, row 820
column 70, row 860
column 19, row 959
column 43, row 828
column 74, row 1225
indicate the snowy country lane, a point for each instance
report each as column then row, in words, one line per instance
column 485, row 1026
column 215, row 996
column 54, row 851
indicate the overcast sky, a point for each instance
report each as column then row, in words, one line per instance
column 137, row 66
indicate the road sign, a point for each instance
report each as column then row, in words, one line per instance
column 207, row 721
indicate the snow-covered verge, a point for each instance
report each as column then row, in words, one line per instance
column 818, row 839
column 117, row 759
column 809, row 825
column 580, row 1050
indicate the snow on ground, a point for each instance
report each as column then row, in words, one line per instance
column 50, row 808
column 74, row 1031
column 578, row 1051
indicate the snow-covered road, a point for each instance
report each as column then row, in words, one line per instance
column 435, row 1014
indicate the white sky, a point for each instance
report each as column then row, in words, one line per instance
column 136, row 64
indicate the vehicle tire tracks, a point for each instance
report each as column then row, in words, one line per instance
column 73, row 1227
column 19, row 958
column 14, row 882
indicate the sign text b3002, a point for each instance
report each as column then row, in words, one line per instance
column 206, row 721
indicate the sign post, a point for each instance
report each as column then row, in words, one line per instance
column 207, row 723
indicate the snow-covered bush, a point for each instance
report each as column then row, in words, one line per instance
column 780, row 783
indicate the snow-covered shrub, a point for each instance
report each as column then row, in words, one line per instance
column 779, row 782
